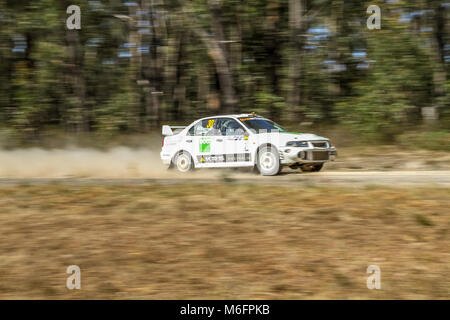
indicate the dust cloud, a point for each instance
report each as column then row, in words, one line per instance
column 115, row 163
column 119, row 162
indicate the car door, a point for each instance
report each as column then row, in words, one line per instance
column 233, row 143
column 202, row 138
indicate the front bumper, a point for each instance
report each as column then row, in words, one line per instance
column 291, row 155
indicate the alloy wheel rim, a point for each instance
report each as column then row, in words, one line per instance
column 183, row 163
column 267, row 160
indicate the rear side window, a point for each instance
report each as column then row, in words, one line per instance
column 204, row 128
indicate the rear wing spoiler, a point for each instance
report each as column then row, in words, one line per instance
column 171, row 130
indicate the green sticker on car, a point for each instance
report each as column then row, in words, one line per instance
column 205, row 145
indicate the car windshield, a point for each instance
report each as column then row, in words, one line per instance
column 261, row 125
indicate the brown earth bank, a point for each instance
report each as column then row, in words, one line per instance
column 387, row 158
column 223, row 241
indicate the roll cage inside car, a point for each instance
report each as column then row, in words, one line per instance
column 217, row 126
column 225, row 125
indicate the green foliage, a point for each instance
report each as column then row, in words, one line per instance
column 432, row 140
column 115, row 115
column 389, row 100
column 113, row 76
column 268, row 103
column 423, row 220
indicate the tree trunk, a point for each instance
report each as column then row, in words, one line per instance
column 440, row 76
column 296, row 26
column 218, row 52
column 77, row 81
column 152, row 66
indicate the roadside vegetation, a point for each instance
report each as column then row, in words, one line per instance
column 134, row 65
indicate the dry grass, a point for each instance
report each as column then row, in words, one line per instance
column 223, row 241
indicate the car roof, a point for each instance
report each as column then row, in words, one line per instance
column 242, row 115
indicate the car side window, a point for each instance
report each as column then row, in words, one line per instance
column 191, row 131
column 229, row 127
column 204, row 128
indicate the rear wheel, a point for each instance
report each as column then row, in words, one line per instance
column 311, row 167
column 268, row 161
column 183, row 162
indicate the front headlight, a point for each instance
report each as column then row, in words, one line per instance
column 298, row 144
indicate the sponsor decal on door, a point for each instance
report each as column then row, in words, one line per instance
column 221, row 158
column 205, row 145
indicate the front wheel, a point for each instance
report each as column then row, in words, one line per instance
column 183, row 162
column 268, row 161
column 311, row 167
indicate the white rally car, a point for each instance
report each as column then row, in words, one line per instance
column 244, row 140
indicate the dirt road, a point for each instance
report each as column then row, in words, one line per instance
column 326, row 178
column 381, row 165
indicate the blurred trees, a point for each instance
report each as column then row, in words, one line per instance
column 135, row 64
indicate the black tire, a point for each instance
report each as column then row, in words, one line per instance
column 183, row 162
column 268, row 161
column 312, row 167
